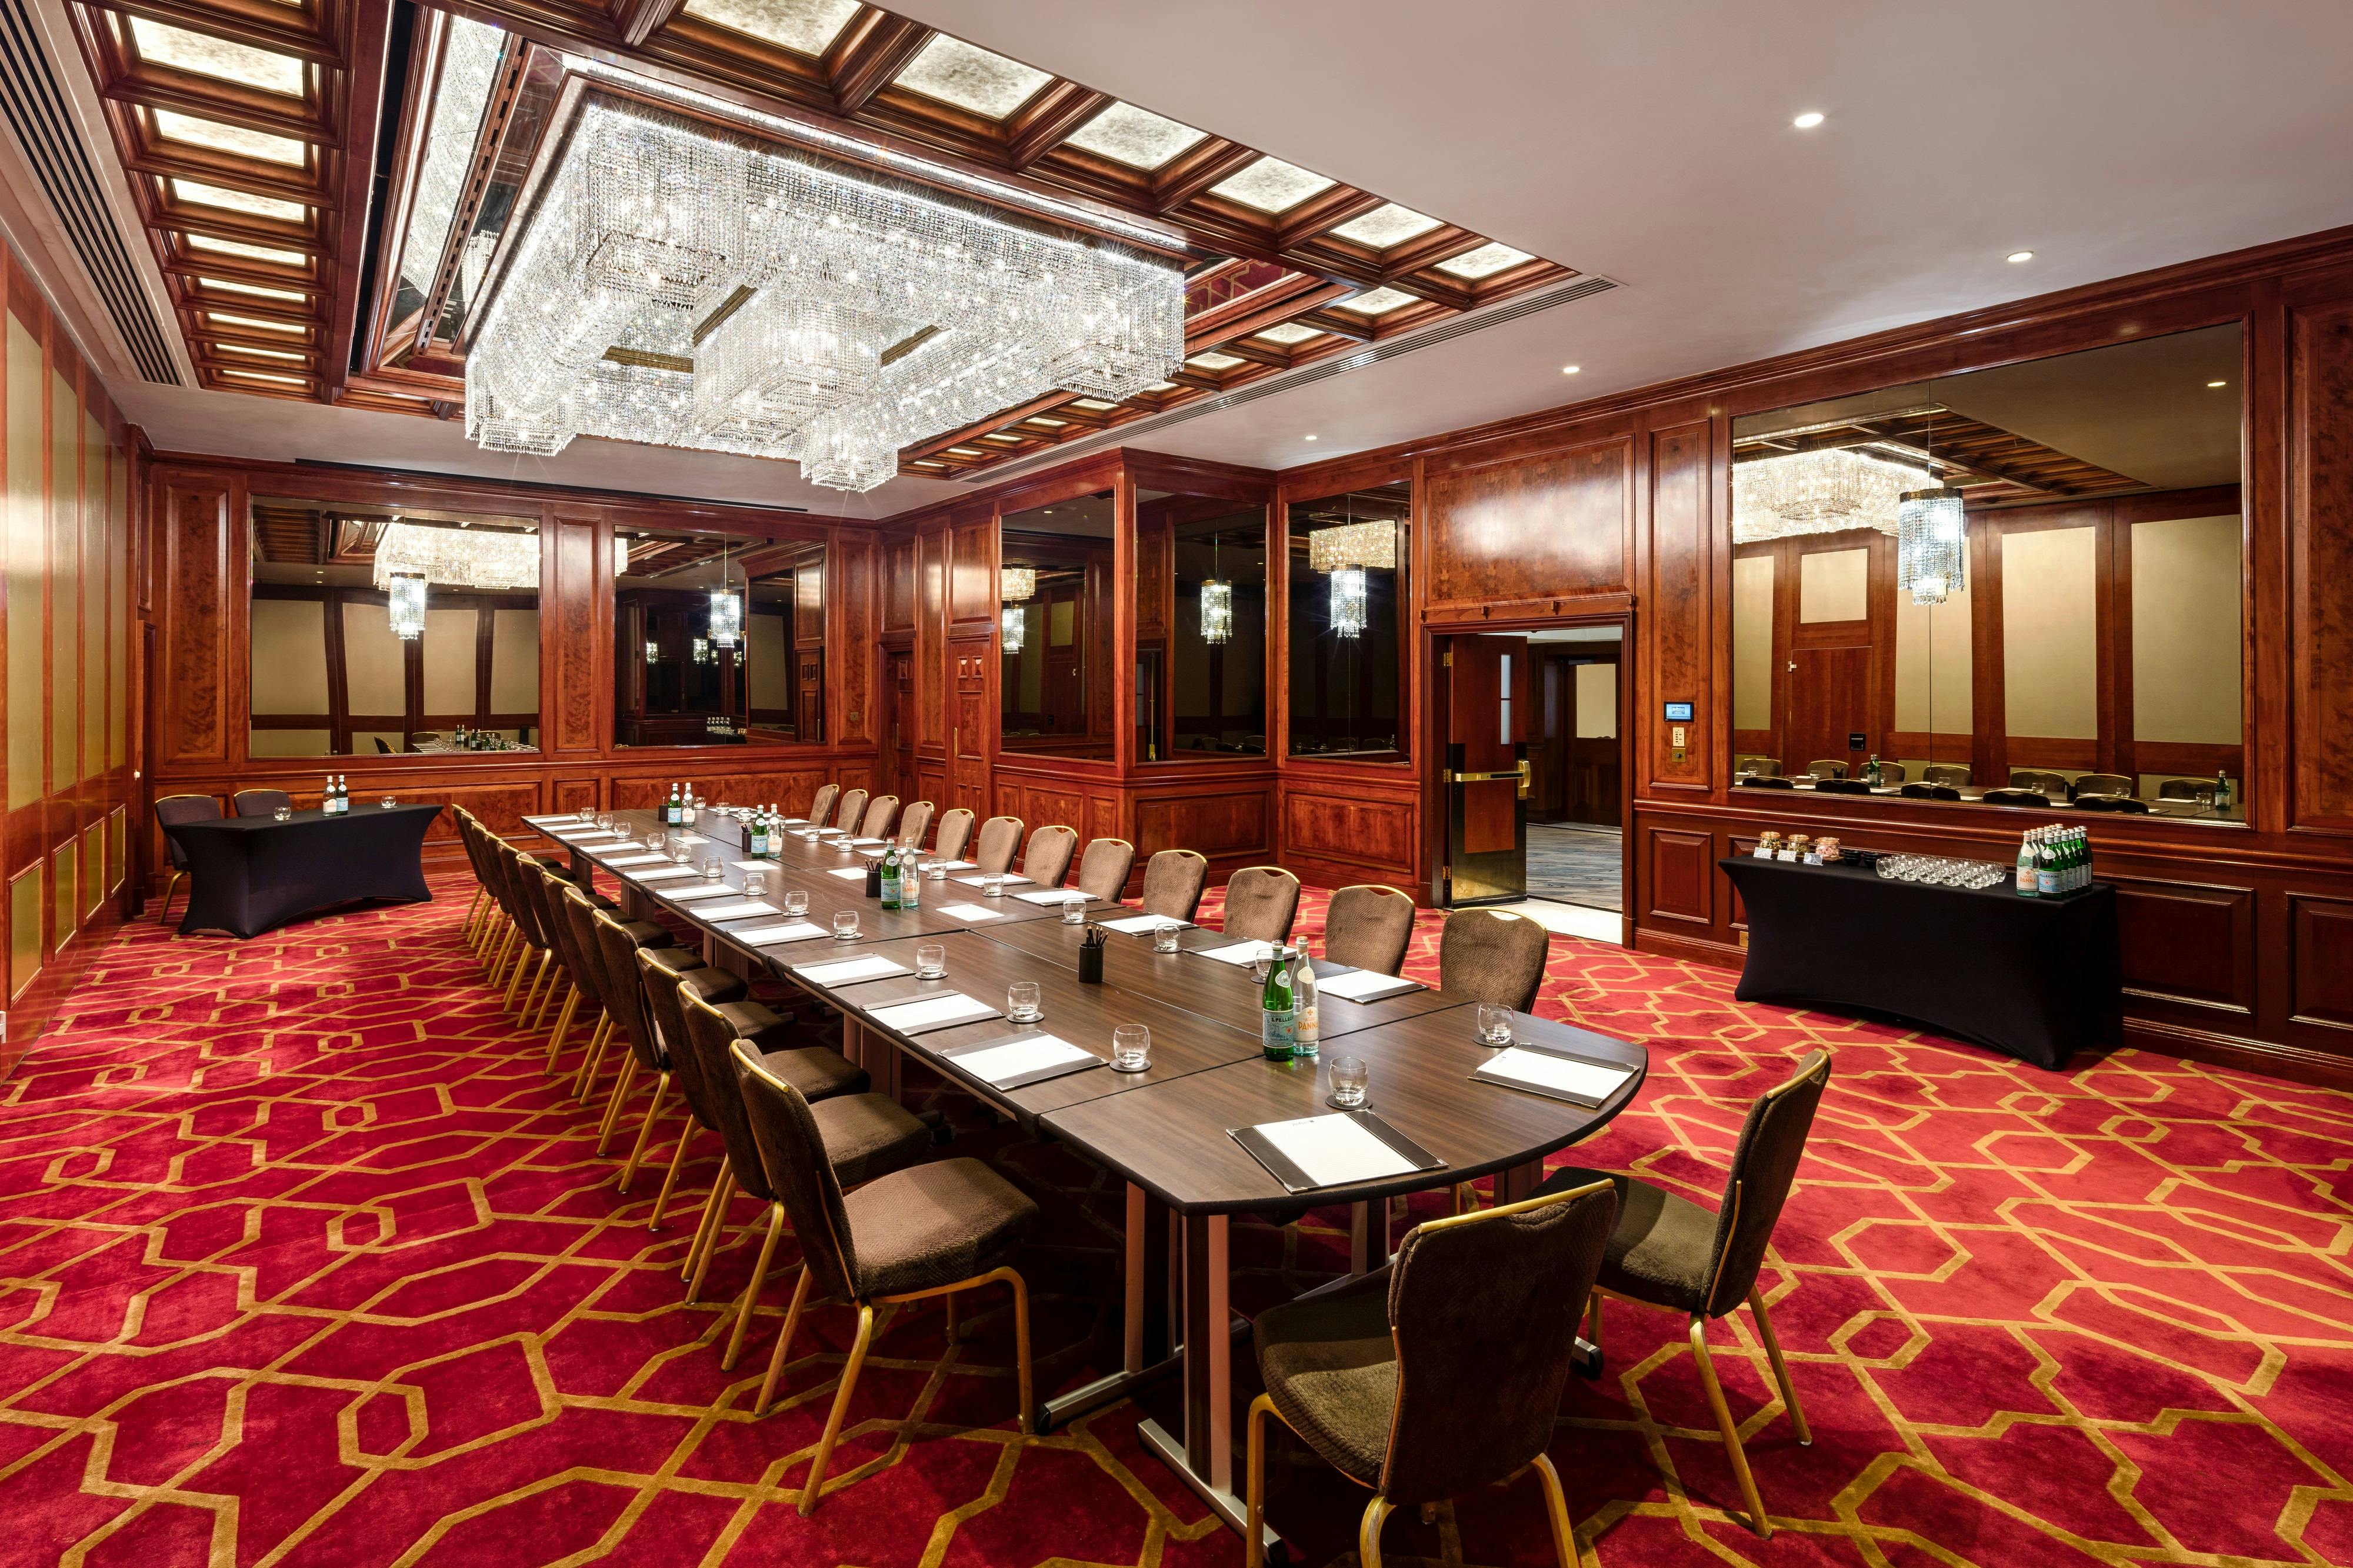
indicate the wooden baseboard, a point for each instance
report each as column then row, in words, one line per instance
column 2297, row 1064
column 1696, row 949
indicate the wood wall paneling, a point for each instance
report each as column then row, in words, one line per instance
column 574, row 683
column 2320, row 649
column 1678, row 623
column 1524, row 529
column 1679, row 877
column 1378, row 838
column 2188, row 942
column 198, row 536
column 2321, row 953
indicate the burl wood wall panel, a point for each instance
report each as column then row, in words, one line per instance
column 569, row 705
column 196, row 540
column 1520, row 530
column 1678, row 644
column 2321, row 648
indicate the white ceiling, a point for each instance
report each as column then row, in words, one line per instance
column 1648, row 144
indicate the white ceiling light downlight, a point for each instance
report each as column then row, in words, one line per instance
column 673, row 283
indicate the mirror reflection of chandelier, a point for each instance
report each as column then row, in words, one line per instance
column 1817, row 492
column 405, row 596
column 458, row 557
column 1345, row 552
column 1017, row 584
column 673, row 284
column 1013, row 624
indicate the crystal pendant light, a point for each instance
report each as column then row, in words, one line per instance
column 406, row 592
column 702, row 650
column 1820, row 491
column 1347, row 551
column 1017, row 584
column 1217, row 603
column 653, row 652
column 726, row 609
column 1348, row 601
column 1932, row 541
column 1014, row 624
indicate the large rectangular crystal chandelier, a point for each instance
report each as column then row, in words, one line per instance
column 675, row 284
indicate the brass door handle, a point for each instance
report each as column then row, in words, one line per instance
column 1460, row 778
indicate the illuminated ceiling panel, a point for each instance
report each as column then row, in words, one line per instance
column 238, row 201
column 1273, row 185
column 1135, row 137
column 250, row 252
column 1485, row 262
column 1386, row 225
column 1377, row 302
column 201, row 53
column 803, row 27
column 214, row 136
column 1288, row 333
column 956, row 72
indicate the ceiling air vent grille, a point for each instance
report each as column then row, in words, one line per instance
column 35, row 107
column 1307, row 375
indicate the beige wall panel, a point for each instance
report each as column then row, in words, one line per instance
column 2049, row 633
column 1597, row 701
column 447, row 656
column 2185, row 602
column 1834, row 586
column 1752, row 642
column 373, row 664
column 514, row 661
column 288, row 743
column 289, row 655
column 1931, row 665
column 769, row 665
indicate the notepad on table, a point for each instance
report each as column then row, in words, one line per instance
column 776, row 936
column 1053, row 897
column 635, row 860
column 752, row 865
column 971, row 913
column 1009, row 1064
column 1572, row 1078
column 1332, row 1151
column 658, row 873
column 743, row 912
column 982, row 881
column 933, row 1013
column 857, row 872
column 958, row 864
column 1141, row 925
column 862, row 843
column 714, row 890
column 851, row 972
column 1237, row 953
column 1366, row 985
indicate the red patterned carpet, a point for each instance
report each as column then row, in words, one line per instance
column 302, row 1261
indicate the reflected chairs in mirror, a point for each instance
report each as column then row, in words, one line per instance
column 1840, row 786
column 1944, row 773
column 1827, row 768
column 1930, row 792
column 2122, row 803
column 1768, row 781
column 2103, row 784
column 2033, row 797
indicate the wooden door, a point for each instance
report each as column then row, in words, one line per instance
column 899, row 718
column 1487, row 699
column 1830, row 708
column 972, row 723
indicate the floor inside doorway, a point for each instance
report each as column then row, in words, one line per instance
column 1576, row 863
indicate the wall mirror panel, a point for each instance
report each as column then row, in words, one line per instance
column 2017, row 586
column 718, row 640
column 1201, row 644
column 1348, row 599
column 1054, row 587
column 375, row 631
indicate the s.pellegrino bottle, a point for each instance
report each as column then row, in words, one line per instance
column 890, row 878
column 1306, row 1020
column 2046, row 868
column 2029, row 878
column 1277, row 1020
column 758, row 840
column 910, row 880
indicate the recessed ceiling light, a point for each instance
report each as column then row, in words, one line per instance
column 1570, row 369
column 2218, row 383
column 1307, row 438
column 2016, row 255
column 1808, row 120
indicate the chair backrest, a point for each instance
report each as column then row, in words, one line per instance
column 881, row 812
column 556, row 915
column 2185, row 789
column 792, row 1153
column 2036, row 779
column 820, row 809
column 1941, row 773
column 1261, row 903
column 999, row 837
column 1891, row 772
column 1483, row 1309
column 616, row 949
column 513, row 866
column 1489, row 955
column 2104, row 783
column 2122, row 803
column 1840, row 786
column 663, row 982
column 531, row 887
column 581, row 910
column 1048, row 858
column 1104, row 868
column 915, row 824
column 1172, row 882
column 383, row 745
column 955, row 832
column 1930, row 792
column 174, row 809
column 1827, row 768
column 853, row 806
column 1766, row 781
column 1369, row 927
column 260, row 802
column 1749, row 763
column 2034, row 797
column 1764, row 1164
column 712, row 1038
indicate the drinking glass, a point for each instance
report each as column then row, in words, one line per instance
column 796, row 899
column 755, row 886
column 992, row 885
column 1164, row 936
column 713, row 870
column 845, row 926
column 930, row 961
column 1021, row 1001
column 389, row 802
column 1495, row 1024
column 656, row 840
column 283, row 814
column 1350, row 1078
column 1074, row 909
column 680, row 851
column 1131, row 1047
column 604, row 819
column 937, row 870
column 1259, row 965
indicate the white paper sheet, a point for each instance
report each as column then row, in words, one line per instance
column 743, row 912
column 1010, row 881
column 1332, row 1150
column 661, row 873
column 1052, row 898
column 1545, row 1071
column 1364, row 986
column 776, row 936
column 856, row 873
column 1239, row 954
column 933, row 1013
column 851, row 972
column 970, row 912
column 870, row 843
column 1140, row 925
column 754, row 865
column 958, row 864
column 1015, row 1058
column 619, row 861
column 715, row 891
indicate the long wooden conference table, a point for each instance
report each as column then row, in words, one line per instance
column 1166, row 1131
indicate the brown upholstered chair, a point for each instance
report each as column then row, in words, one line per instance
column 819, row 1073
column 1930, row 792
column 1261, row 903
column 2122, row 803
column 1840, row 786
column 664, row 982
column 853, row 806
column 575, row 960
column 171, row 810
column 955, row 832
column 1172, row 882
column 260, row 802
column 1047, row 859
column 582, row 911
column 532, row 887
column 519, row 871
column 1766, row 781
column 2033, row 797
column 2040, row 779
column 1369, row 927
column 1441, row 1374
column 820, row 809
column 926, row 1230
column 881, row 812
column 915, row 823
column 1104, row 868
column 1670, row 1252
column 1944, row 773
column 1827, row 768
column 617, row 941
column 999, row 837
column 2103, row 784
column 1489, row 955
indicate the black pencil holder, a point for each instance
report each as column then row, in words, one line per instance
column 1091, row 965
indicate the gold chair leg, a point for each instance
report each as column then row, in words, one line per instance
column 515, row 980
column 1564, row 1538
column 473, row 912
column 623, row 1081
column 783, row 1352
column 1739, row 1455
column 1254, row 1483
column 670, row 1177
column 170, row 885
column 646, row 1133
column 1593, row 1319
column 1780, row 1367
column 594, row 1053
column 702, row 1226
column 710, row 1242
column 1021, row 1347
column 506, row 944
column 540, row 977
column 857, row 1349
column 563, row 1026
column 558, row 977
column 752, row 1291
column 1368, row 1532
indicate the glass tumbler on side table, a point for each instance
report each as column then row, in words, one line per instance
column 1131, row 1047
column 1351, row 1080
column 931, row 961
column 1164, row 936
column 795, row 899
column 1021, row 1001
column 845, row 926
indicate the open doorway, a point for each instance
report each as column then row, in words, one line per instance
column 1576, row 831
